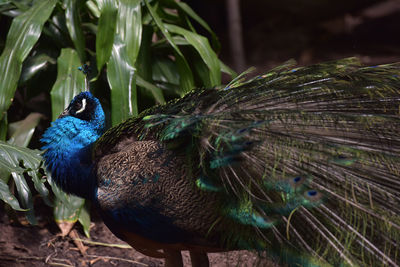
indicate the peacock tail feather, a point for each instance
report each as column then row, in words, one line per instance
column 299, row 161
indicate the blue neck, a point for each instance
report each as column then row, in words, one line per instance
column 68, row 143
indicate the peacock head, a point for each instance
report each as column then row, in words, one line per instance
column 85, row 107
column 79, row 125
column 83, row 120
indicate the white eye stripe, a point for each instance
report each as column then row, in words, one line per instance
column 83, row 106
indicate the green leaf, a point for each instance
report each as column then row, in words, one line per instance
column 105, row 32
column 143, row 62
column 155, row 91
column 227, row 70
column 3, row 128
column 70, row 81
column 121, row 73
column 11, row 159
column 25, row 196
column 189, row 11
column 40, row 186
column 12, row 155
column 7, row 168
column 202, row 71
column 200, row 43
column 99, row 4
column 90, row 27
column 84, row 218
column 74, row 26
column 94, row 9
column 34, row 65
column 164, row 70
column 9, row 198
column 167, row 14
column 121, row 78
column 21, row 131
column 66, row 207
column 22, row 5
column 6, row 6
column 144, row 67
column 186, row 76
column 57, row 30
column 130, row 27
column 23, row 34
column 21, row 134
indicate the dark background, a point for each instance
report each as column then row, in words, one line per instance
column 308, row 31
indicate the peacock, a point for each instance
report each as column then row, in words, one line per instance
column 301, row 164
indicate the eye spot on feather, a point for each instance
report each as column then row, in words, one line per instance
column 313, row 195
column 297, row 182
column 297, row 179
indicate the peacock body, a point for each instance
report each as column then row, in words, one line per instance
column 301, row 163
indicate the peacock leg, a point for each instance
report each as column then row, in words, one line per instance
column 199, row 259
column 173, row 258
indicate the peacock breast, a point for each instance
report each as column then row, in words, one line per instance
column 146, row 189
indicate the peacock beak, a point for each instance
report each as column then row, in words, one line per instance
column 64, row 113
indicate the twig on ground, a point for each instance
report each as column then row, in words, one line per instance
column 78, row 242
column 104, row 244
column 29, row 258
column 116, row 258
column 59, row 264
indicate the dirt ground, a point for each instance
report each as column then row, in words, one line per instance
column 42, row 245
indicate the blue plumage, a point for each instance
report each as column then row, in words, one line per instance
column 68, row 145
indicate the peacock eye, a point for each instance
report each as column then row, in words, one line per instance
column 81, row 106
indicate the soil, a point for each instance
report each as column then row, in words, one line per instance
column 42, row 245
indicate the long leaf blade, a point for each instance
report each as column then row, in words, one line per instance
column 155, row 91
column 21, row 131
column 189, row 11
column 24, row 32
column 121, row 71
column 186, row 75
column 200, row 43
column 3, row 127
column 106, row 32
column 130, row 27
column 74, row 26
column 84, row 218
column 33, row 65
column 9, row 198
column 70, row 81
column 25, row 196
column 121, row 78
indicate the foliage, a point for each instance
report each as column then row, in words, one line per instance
column 141, row 53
